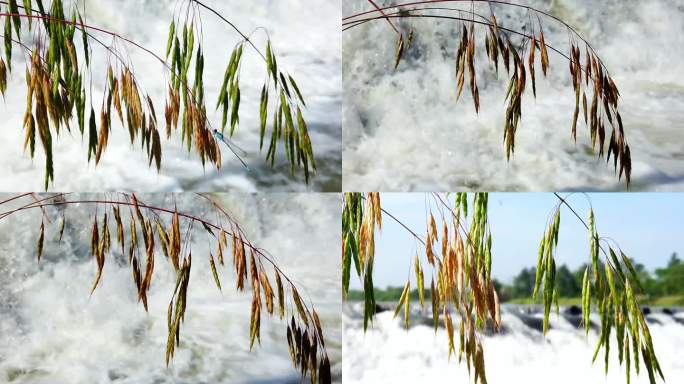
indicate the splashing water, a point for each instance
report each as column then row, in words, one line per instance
column 405, row 131
column 305, row 36
column 519, row 354
column 51, row 331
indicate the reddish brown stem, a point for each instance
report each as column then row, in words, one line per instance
column 423, row 2
column 84, row 26
column 259, row 252
column 351, row 24
column 383, row 14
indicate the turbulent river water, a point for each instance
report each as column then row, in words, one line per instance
column 404, row 130
column 52, row 331
column 518, row 354
column 305, row 35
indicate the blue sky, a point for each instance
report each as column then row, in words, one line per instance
column 648, row 227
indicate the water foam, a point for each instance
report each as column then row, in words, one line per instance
column 306, row 38
column 405, row 131
column 52, row 331
column 390, row 354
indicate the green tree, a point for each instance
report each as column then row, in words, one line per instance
column 568, row 284
column 458, row 258
column 505, row 292
column 523, row 283
column 670, row 280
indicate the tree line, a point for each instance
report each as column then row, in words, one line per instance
column 664, row 285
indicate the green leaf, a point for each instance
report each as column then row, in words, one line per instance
column 14, row 10
column 627, row 360
column 283, row 83
column 234, row 116
column 84, row 34
column 419, row 280
column 300, row 306
column 402, row 298
column 41, row 240
column 177, row 68
column 620, row 331
column 464, row 203
column 155, row 152
column 27, row 9
column 214, row 272
column 368, row 289
column 263, row 113
column 407, row 302
column 400, row 52
column 355, row 255
column 611, row 284
column 296, row 88
column 271, row 62
column 632, row 271
column 607, row 339
column 435, row 305
column 172, row 34
column 8, row 43
column 586, row 301
column 286, row 111
column 80, row 109
column 616, row 264
column 556, row 226
column 46, row 139
column 346, row 266
column 191, row 46
column 92, row 135
column 540, row 268
column 41, row 8
column 208, row 229
column 269, row 58
column 306, row 140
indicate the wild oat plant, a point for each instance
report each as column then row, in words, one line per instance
column 139, row 231
column 461, row 283
column 59, row 74
column 519, row 49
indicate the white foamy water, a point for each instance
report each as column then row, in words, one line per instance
column 306, row 37
column 406, row 131
column 520, row 354
column 51, row 331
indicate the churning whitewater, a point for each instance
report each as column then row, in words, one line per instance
column 405, row 131
column 305, row 36
column 53, row 332
column 388, row 353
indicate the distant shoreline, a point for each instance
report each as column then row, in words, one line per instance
column 392, row 294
